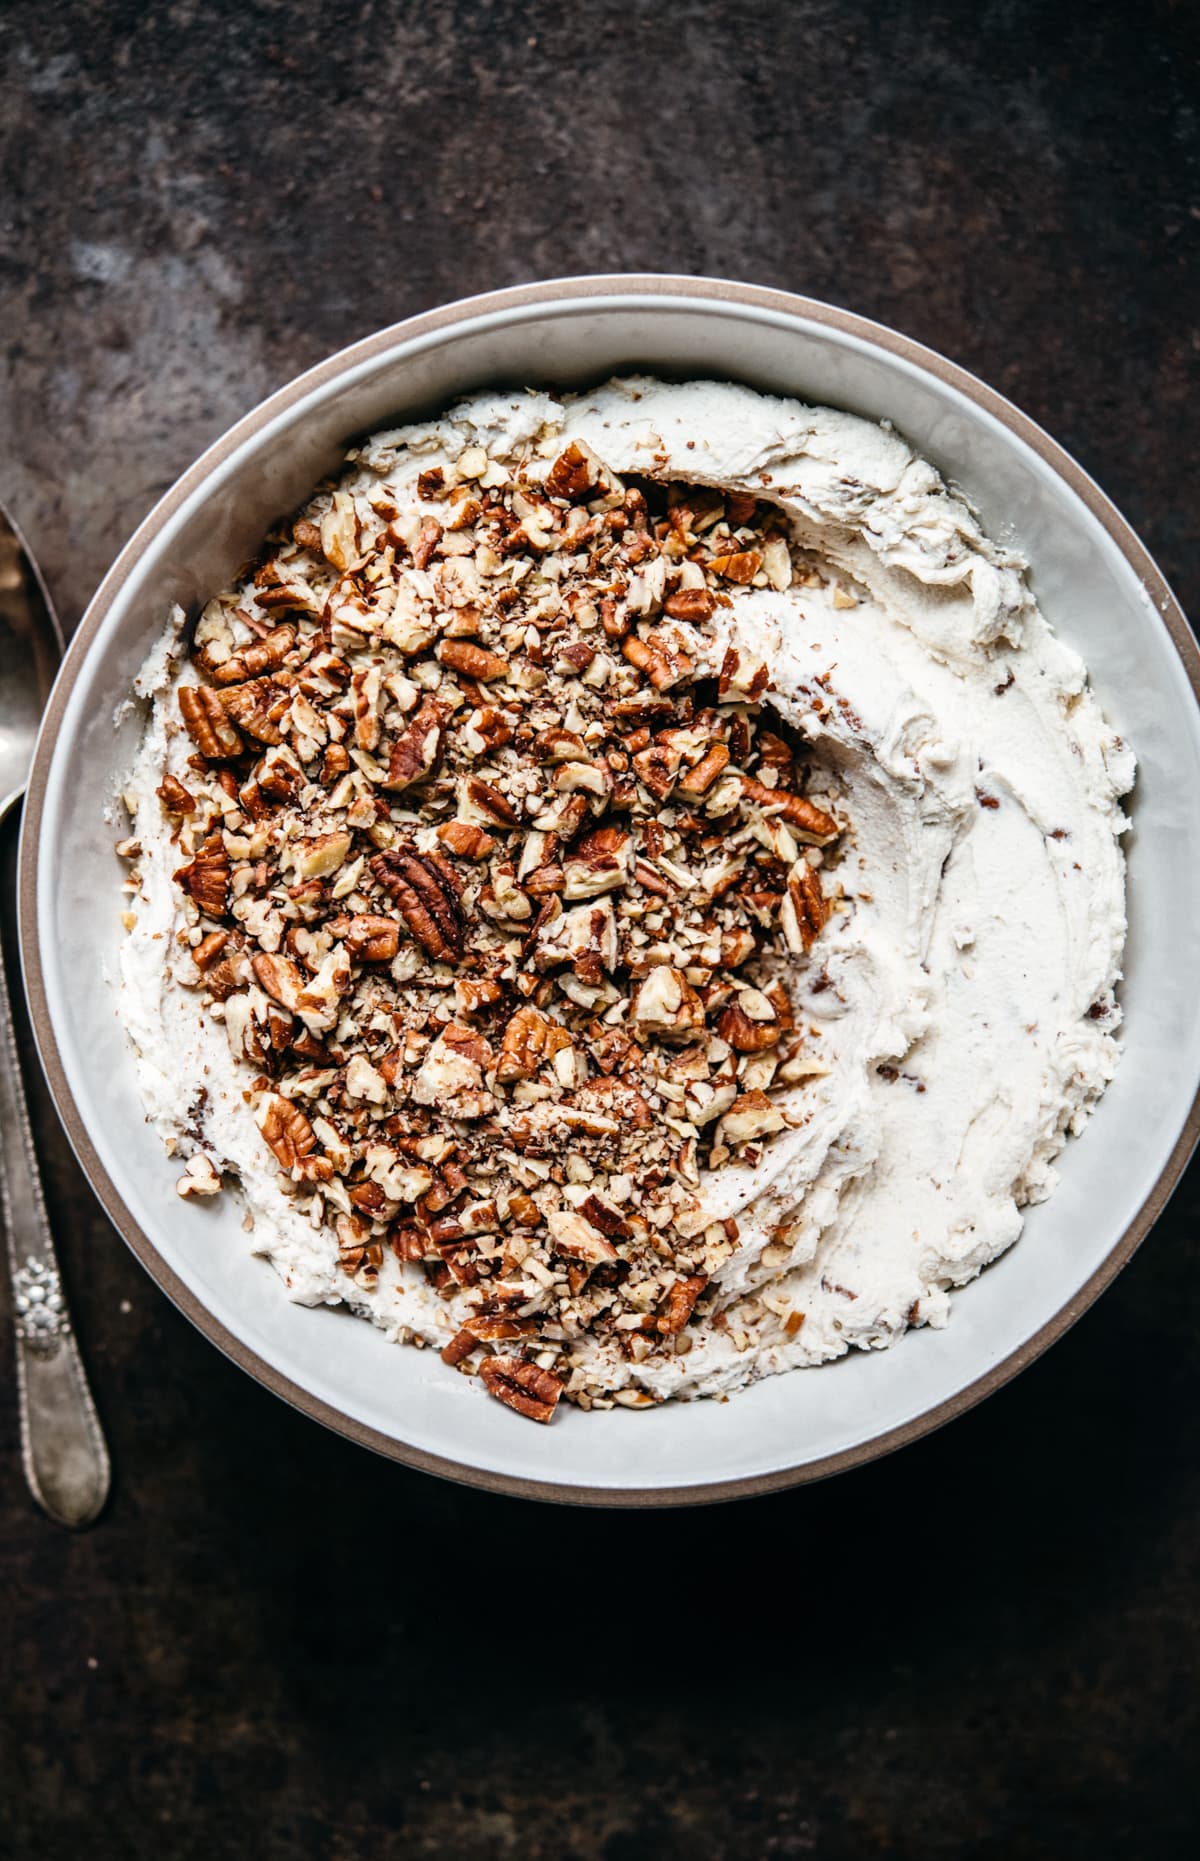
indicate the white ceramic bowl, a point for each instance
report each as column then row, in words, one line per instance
column 1098, row 588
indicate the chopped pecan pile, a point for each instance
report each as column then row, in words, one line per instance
column 495, row 864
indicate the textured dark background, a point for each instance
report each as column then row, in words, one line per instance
column 273, row 1644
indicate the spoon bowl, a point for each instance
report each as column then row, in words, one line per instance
column 31, row 645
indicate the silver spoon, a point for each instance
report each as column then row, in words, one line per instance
column 62, row 1447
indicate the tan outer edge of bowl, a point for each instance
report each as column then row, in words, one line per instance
column 649, row 285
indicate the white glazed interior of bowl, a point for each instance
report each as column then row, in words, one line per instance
column 1092, row 596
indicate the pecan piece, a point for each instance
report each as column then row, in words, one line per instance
column 742, row 677
column 257, row 706
column 737, row 946
column 667, row 1007
column 604, row 1216
column 371, row 938
column 679, row 1304
column 701, row 776
column 334, row 763
column 544, row 881
column 427, row 900
column 209, row 949
column 276, row 778
column 577, row 654
column 474, row 662
column 658, row 767
column 427, row 541
column 650, row 879
column 490, row 1327
column 206, row 879
column 278, row 977
column 475, row 995
column 575, row 1237
column 694, row 604
column 207, row 724
column 750, row 1033
column 773, row 752
column 525, row 1387
column 811, row 821
column 416, row 753
column 175, row 798
column 742, row 566
column 664, row 662
column 487, row 725
column 488, row 799
column 613, row 620
column 226, row 977
column 524, row 1045
column 574, row 475
column 290, row 1136
column 465, row 839
column 461, row 1345
column 804, row 909
column 740, row 507
column 264, row 655
column 358, row 1254
column 365, row 686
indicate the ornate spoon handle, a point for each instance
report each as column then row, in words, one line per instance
column 62, row 1448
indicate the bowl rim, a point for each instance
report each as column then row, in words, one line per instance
column 432, row 323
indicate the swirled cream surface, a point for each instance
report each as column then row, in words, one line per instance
column 960, row 999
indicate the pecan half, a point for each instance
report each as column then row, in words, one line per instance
column 207, row 724
column 525, row 1387
column 426, row 899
